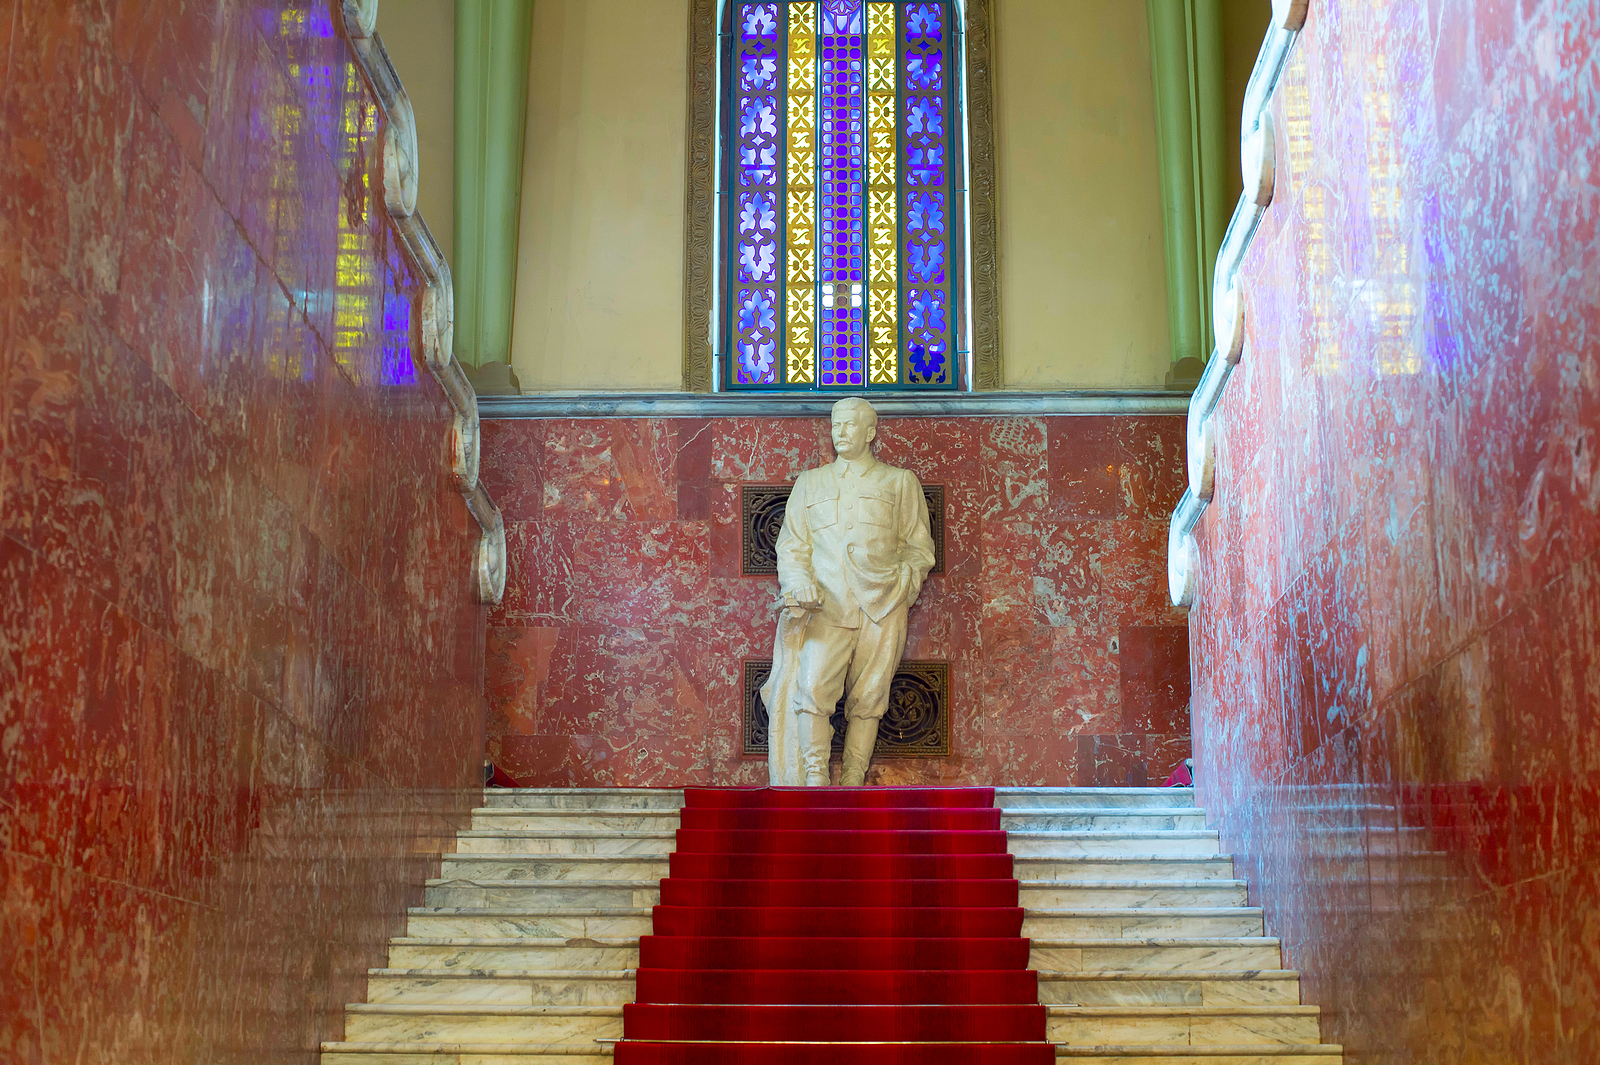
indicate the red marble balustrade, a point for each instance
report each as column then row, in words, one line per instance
column 615, row 657
column 239, row 659
column 1397, row 685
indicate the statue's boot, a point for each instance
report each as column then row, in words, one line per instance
column 859, row 736
column 815, row 738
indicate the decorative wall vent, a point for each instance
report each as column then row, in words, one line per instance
column 917, row 724
column 762, row 507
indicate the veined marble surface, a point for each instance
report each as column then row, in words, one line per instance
column 1397, row 640
column 616, row 656
column 1189, row 989
column 239, row 658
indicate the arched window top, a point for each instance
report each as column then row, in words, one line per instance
column 843, row 195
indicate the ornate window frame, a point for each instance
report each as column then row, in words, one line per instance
column 700, row 268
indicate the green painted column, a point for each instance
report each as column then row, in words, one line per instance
column 1186, row 69
column 492, row 40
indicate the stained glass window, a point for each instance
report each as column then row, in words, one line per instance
column 842, row 194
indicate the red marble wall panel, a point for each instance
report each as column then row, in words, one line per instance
column 239, row 662
column 616, row 655
column 1396, row 681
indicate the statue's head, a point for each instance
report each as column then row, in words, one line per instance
column 855, row 426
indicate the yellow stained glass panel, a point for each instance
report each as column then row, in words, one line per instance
column 800, row 302
column 883, row 318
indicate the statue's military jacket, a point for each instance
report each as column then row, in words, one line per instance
column 860, row 532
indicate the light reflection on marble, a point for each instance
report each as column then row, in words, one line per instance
column 553, row 925
column 238, row 672
column 562, row 822
column 514, row 953
column 1142, row 894
column 616, row 655
column 1140, row 989
column 1110, row 1026
column 543, row 989
column 1031, row 844
column 576, row 867
column 506, row 843
column 1198, row 921
column 578, row 893
column 461, row 1024
column 1396, row 687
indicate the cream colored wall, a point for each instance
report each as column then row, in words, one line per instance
column 1244, row 26
column 1082, row 290
column 600, row 270
column 420, row 38
column 1082, row 278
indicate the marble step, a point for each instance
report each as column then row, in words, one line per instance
column 550, row 923
column 502, row 987
column 564, row 841
column 1131, row 894
column 1183, row 1025
column 578, row 822
column 1124, row 923
column 1066, row 866
column 366, row 1022
column 1308, row 1054
column 672, row 799
column 466, row 1054
column 528, row 819
column 553, row 867
column 622, row 952
column 1104, row 818
column 1070, row 842
column 543, row 894
column 1067, row 1025
column 1063, row 798
column 513, row 952
column 1244, row 987
column 1085, row 867
column 585, row 798
column 1124, row 955
column 1137, row 922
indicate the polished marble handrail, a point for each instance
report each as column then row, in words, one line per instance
column 438, row 302
column 1258, row 153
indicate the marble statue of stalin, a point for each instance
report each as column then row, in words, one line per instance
column 853, row 551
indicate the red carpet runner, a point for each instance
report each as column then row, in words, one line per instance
column 802, row 926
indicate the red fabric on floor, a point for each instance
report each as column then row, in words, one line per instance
column 841, row 840
column 859, row 952
column 702, row 866
column 885, row 986
column 898, row 1024
column 984, row 922
column 824, row 798
column 630, row 1053
column 682, row 891
column 837, row 925
column 762, row 817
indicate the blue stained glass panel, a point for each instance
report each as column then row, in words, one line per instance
column 841, row 315
column 758, row 161
column 925, row 197
column 762, row 83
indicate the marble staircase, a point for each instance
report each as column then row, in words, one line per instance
column 524, row 952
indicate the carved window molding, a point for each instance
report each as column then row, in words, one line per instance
column 700, row 251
